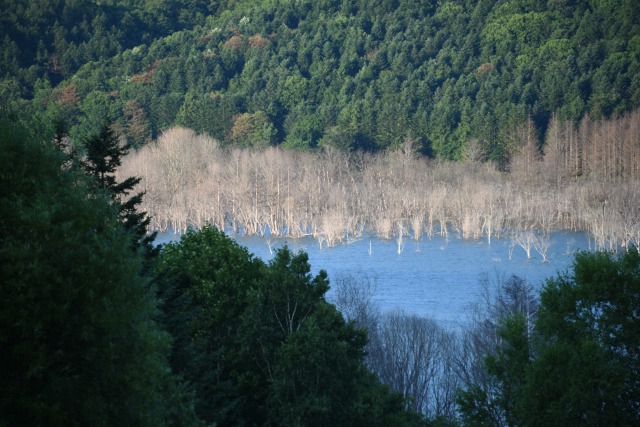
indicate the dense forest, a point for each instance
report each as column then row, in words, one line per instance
column 348, row 74
column 330, row 118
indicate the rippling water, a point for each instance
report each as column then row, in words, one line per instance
column 439, row 278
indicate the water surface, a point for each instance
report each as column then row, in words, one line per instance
column 439, row 278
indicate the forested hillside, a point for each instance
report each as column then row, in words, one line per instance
column 53, row 39
column 349, row 74
column 296, row 118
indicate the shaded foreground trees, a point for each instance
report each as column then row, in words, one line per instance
column 260, row 343
column 580, row 364
column 480, row 391
column 257, row 343
column 438, row 370
column 568, row 356
column 407, row 352
column 79, row 343
column 412, row 355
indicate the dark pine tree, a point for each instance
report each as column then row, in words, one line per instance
column 104, row 153
column 79, row 344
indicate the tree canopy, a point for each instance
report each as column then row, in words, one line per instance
column 259, row 342
column 79, row 342
column 579, row 364
column 104, row 154
column 352, row 74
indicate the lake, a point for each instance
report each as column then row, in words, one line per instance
column 439, row 278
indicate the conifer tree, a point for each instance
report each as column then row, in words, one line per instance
column 78, row 341
column 104, row 153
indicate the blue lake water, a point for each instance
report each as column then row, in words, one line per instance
column 439, row 278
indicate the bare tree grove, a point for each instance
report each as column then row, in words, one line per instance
column 584, row 177
column 425, row 361
column 411, row 354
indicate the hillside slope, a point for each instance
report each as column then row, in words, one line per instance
column 361, row 74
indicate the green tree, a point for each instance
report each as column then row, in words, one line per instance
column 203, row 281
column 79, row 345
column 94, row 110
column 580, row 366
column 104, row 153
column 260, row 343
column 164, row 110
column 252, row 130
column 587, row 368
column 138, row 128
column 499, row 337
column 308, row 356
column 500, row 404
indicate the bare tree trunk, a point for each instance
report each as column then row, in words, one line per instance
column 524, row 238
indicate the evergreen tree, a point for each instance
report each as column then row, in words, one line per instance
column 78, row 342
column 104, row 153
column 587, row 365
column 203, row 282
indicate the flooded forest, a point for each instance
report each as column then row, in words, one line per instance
column 585, row 178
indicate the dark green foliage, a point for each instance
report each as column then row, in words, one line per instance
column 476, row 407
column 104, row 153
column 587, row 369
column 581, row 364
column 311, row 360
column 260, row 344
column 501, row 404
column 52, row 39
column 203, row 281
column 509, row 365
column 353, row 74
column 78, row 342
column 500, row 336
